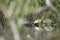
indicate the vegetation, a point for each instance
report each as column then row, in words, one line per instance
column 18, row 19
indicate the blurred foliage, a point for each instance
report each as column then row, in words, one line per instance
column 26, row 8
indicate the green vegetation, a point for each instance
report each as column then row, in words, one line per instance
column 17, row 12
